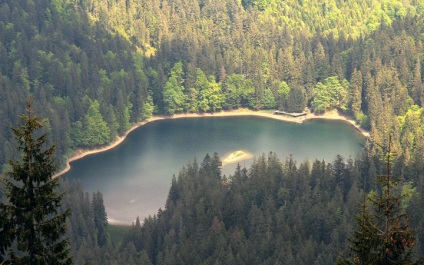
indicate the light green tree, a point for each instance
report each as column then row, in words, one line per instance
column 232, row 91
column 329, row 95
column 202, row 85
column 268, row 101
column 216, row 98
column 95, row 131
column 210, row 96
column 148, row 108
column 173, row 91
column 283, row 92
column 191, row 100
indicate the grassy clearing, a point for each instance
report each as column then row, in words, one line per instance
column 117, row 233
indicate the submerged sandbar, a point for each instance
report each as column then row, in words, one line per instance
column 235, row 156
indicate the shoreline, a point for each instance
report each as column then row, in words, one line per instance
column 331, row 115
column 335, row 115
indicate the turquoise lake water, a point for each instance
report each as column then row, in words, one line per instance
column 135, row 176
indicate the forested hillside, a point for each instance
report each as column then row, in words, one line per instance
column 85, row 80
column 95, row 67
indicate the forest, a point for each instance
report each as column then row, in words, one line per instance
column 95, row 67
column 274, row 212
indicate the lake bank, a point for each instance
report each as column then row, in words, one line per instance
column 335, row 115
column 135, row 176
column 331, row 115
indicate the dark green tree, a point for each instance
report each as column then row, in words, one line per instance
column 32, row 227
column 356, row 92
column 100, row 219
column 295, row 101
column 384, row 235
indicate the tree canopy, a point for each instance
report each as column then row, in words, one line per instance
column 384, row 235
column 136, row 60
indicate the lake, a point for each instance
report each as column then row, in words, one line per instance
column 135, row 176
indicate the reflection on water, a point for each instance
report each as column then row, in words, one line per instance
column 135, row 176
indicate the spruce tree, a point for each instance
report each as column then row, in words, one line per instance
column 384, row 235
column 100, row 219
column 33, row 227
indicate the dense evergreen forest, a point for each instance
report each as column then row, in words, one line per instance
column 94, row 67
column 275, row 212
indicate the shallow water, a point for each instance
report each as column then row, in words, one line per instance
column 135, row 176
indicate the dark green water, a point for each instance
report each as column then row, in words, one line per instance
column 135, row 176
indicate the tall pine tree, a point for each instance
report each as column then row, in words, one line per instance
column 384, row 235
column 100, row 219
column 32, row 226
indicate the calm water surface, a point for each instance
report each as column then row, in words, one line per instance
column 135, row 176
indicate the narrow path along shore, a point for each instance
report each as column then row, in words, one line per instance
column 331, row 115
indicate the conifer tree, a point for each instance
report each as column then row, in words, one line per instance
column 100, row 219
column 384, row 235
column 32, row 227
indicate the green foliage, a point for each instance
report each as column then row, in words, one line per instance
column 324, row 98
column 268, row 101
column 94, row 130
column 55, row 51
column 117, row 232
column 336, row 18
column 209, row 93
column 173, row 95
column 411, row 131
column 100, row 219
column 295, row 101
column 120, row 53
column 202, row 85
column 253, row 216
column 408, row 191
column 283, row 92
column 215, row 95
column 148, row 108
column 238, row 92
column 191, row 100
column 356, row 93
column 362, row 119
column 86, row 228
column 33, row 226
column 329, row 95
column 384, row 235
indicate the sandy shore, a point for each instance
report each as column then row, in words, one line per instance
column 335, row 115
column 331, row 115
